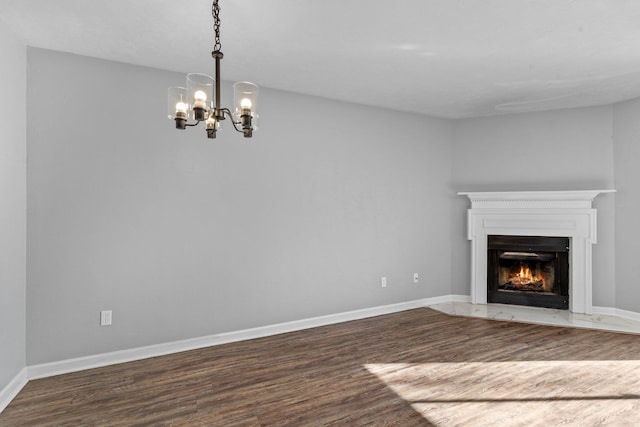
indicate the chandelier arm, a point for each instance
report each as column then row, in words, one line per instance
column 226, row 111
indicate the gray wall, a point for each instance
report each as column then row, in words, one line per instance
column 556, row 150
column 12, row 206
column 626, row 133
column 182, row 237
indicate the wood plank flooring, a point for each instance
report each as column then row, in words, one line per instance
column 414, row 368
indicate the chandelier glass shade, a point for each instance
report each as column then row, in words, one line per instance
column 199, row 101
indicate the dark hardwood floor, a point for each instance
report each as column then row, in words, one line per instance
column 414, row 368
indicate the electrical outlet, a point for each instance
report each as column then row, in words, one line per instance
column 384, row 282
column 416, row 278
column 106, row 317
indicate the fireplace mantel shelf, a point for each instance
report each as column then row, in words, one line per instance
column 539, row 199
column 535, row 213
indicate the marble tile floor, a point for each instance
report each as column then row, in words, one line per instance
column 543, row 316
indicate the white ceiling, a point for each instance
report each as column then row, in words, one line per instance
column 445, row 58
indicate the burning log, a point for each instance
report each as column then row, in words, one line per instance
column 517, row 284
column 524, row 280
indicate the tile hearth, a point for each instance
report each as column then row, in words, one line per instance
column 543, row 316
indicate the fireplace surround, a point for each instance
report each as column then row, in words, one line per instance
column 563, row 214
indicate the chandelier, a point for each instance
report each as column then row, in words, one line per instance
column 200, row 100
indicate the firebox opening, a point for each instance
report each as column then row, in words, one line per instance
column 528, row 270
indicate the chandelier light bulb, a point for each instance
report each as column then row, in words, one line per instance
column 200, row 95
column 199, row 99
column 246, row 104
column 178, row 106
column 181, row 107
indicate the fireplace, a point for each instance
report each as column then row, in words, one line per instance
column 528, row 270
column 564, row 214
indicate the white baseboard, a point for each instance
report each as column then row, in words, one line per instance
column 13, row 388
column 611, row 311
column 459, row 298
column 105, row 359
column 95, row 361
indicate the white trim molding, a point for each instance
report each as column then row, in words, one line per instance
column 617, row 312
column 98, row 360
column 95, row 361
column 12, row 389
column 535, row 213
column 44, row 370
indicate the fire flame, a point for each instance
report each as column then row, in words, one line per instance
column 525, row 277
column 525, row 273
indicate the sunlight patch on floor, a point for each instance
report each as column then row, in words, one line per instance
column 518, row 393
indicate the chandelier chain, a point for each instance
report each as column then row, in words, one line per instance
column 215, row 12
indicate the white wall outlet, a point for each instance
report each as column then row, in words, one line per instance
column 384, row 282
column 106, row 317
column 416, row 278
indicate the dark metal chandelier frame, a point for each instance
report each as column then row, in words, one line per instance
column 195, row 101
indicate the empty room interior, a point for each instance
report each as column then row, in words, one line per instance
column 417, row 213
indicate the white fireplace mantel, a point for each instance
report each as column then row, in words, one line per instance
column 535, row 213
